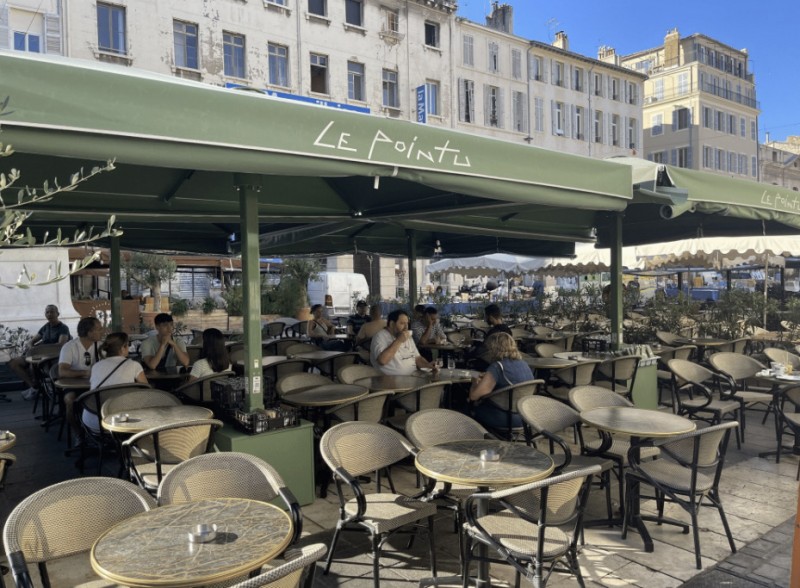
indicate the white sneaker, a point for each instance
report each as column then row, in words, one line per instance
column 29, row 394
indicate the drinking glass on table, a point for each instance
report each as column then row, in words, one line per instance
column 451, row 363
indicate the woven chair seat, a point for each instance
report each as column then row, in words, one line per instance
column 721, row 406
column 792, row 417
column 148, row 473
column 519, row 535
column 620, row 446
column 617, row 387
column 386, row 512
column 753, row 397
column 560, row 393
column 663, row 374
column 578, row 462
column 673, row 475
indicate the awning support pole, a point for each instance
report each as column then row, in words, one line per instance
column 115, row 273
column 411, row 239
column 248, row 186
column 616, row 282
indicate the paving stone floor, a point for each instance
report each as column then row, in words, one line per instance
column 759, row 496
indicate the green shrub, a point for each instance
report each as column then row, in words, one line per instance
column 209, row 305
column 178, row 306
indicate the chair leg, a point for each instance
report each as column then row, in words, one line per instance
column 329, row 559
column 696, row 535
column 713, row 496
column 432, row 545
column 376, row 561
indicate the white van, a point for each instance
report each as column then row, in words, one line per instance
column 344, row 288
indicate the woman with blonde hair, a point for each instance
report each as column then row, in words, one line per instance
column 506, row 368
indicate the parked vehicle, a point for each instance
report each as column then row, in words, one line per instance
column 344, row 289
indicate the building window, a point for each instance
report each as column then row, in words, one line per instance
column 468, row 50
column 353, row 12
column 708, row 118
column 317, row 7
column 355, row 81
column 684, row 157
column 111, row 28
column 27, row 42
column 557, row 75
column 494, row 57
column 708, row 157
column 493, row 106
column 633, row 133
column 516, row 64
column 391, row 23
column 632, row 91
column 559, row 118
column 614, row 89
column 538, row 113
column 719, row 159
column 185, row 34
column 319, row 73
column 743, row 164
column 278, row 65
column 391, row 97
column 577, row 79
column 466, row 101
column 658, row 157
column 742, row 127
column 615, row 130
column 233, row 48
column 537, row 68
column 656, row 125
column 732, row 124
column 598, row 126
column 732, row 162
column 579, row 125
column 658, row 89
column 598, row 84
column 753, row 166
column 683, row 83
column 431, row 34
column 520, row 112
column 432, row 98
column 681, row 119
column 753, row 130
column 720, row 124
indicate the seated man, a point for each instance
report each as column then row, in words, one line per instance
column 162, row 350
column 356, row 321
column 494, row 316
column 393, row 351
column 428, row 330
column 76, row 360
column 54, row 332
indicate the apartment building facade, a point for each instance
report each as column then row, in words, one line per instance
column 700, row 108
column 779, row 163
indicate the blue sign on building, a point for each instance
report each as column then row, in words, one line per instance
column 422, row 108
column 307, row 99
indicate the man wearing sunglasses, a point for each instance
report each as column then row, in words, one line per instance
column 76, row 360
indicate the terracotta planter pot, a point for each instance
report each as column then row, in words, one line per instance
column 303, row 314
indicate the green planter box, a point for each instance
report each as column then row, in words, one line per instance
column 290, row 451
column 645, row 387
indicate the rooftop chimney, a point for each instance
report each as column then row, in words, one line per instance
column 608, row 54
column 672, row 42
column 502, row 18
column 561, row 41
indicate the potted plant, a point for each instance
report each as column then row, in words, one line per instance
column 151, row 270
column 292, row 291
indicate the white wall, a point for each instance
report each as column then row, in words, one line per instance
column 24, row 307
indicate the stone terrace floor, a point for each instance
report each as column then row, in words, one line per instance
column 759, row 496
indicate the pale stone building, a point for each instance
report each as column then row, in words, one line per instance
column 780, row 163
column 700, row 107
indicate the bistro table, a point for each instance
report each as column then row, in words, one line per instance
column 325, row 395
column 396, row 383
column 7, row 441
column 459, row 462
column 640, row 424
column 168, row 378
column 141, row 419
column 779, row 385
column 153, row 548
column 267, row 360
column 703, row 344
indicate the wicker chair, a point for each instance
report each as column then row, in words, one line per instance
column 299, row 381
column 533, row 526
column 337, row 362
column 788, row 421
column 154, row 452
column 548, row 349
column 297, row 330
column 545, row 417
column 199, row 391
column 228, row 475
column 6, row 461
column 350, row 373
column 739, row 371
column 580, row 374
column 782, row 356
column 422, row 398
column 507, row 399
column 619, row 374
column 274, row 329
column 355, row 449
column 300, row 348
column 663, row 375
column 275, row 372
column 370, row 409
column 668, row 338
column 601, row 443
column 193, row 351
column 543, row 330
column 145, row 398
column 289, row 574
column 66, row 519
column 687, row 473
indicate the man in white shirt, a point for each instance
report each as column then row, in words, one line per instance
column 393, row 350
column 76, row 360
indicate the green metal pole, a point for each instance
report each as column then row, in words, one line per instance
column 616, row 282
column 115, row 273
column 411, row 238
column 249, row 185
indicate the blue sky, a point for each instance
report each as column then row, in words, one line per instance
column 768, row 31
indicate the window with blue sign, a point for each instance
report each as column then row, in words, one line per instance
column 233, row 46
column 111, row 28
column 185, row 34
column 391, row 98
column 432, row 98
column 355, row 81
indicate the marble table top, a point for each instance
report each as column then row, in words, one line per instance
column 267, row 360
column 153, row 548
column 459, row 462
column 396, row 383
column 141, row 419
column 325, row 395
column 548, row 362
column 317, row 356
column 455, row 375
column 637, row 422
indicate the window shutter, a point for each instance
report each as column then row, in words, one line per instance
column 487, row 105
column 553, row 116
column 649, row 157
column 462, row 101
column 625, row 91
column 673, row 156
column 500, row 108
column 52, row 33
column 593, row 133
column 553, row 73
column 470, row 92
column 607, row 138
column 569, row 112
column 674, row 120
column 4, row 26
column 543, row 73
column 524, row 107
column 574, row 115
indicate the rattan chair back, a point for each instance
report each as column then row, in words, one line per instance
column 370, row 409
column 350, row 373
column 588, row 397
column 199, row 391
column 274, row 329
column 783, row 356
column 297, row 348
column 361, row 448
column 547, row 349
column 289, row 574
column 735, row 365
column 668, row 338
column 290, row 383
column 440, row 425
column 547, row 414
column 144, row 398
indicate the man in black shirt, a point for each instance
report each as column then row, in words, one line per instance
column 356, row 321
column 54, row 332
column 492, row 315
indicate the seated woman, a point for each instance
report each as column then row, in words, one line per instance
column 115, row 369
column 214, row 356
column 506, row 368
column 322, row 331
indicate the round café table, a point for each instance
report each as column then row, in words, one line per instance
column 7, row 441
column 325, row 395
column 153, row 549
column 547, row 363
column 459, row 462
column 141, row 419
column 395, row 383
column 639, row 423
